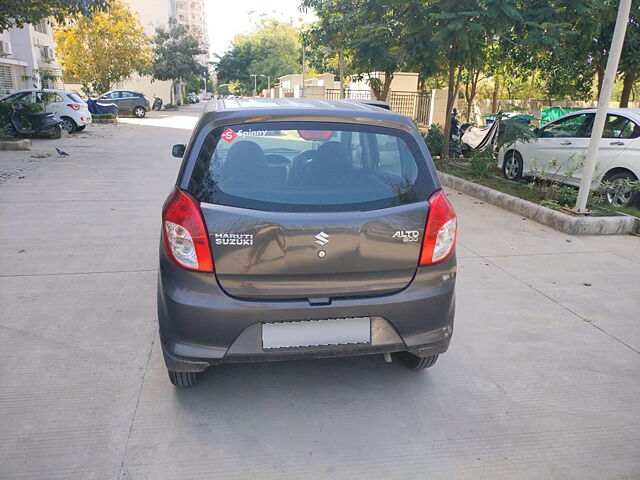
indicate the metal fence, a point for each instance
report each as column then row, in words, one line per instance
column 334, row 94
column 414, row 105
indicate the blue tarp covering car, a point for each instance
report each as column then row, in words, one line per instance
column 99, row 108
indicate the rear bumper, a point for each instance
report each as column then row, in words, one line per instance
column 200, row 325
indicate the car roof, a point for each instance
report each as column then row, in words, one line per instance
column 633, row 112
column 246, row 110
column 25, row 90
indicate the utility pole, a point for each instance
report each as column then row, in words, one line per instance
column 304, row 61
column 603, row 103
column 255, row 83
column 268, row 77
column 341, row 67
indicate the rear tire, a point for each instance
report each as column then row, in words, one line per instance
column 139, row 112
column 183, row 379
column 414, row 362
column 56, row 132
column 512, row 166
column 614, row 195
column 69, row 124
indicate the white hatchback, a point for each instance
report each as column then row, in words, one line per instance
column 73, row 111
column 561, row 147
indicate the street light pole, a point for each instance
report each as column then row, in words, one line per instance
column 255, row 83
column 268, row 77
column 603, row 103
column 304, row 60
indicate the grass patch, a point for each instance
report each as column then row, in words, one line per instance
column 103, row 116
column 542, row 192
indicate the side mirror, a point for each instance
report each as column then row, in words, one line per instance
column 178, row 150
column 537, row 132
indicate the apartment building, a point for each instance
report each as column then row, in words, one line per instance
column 153, row 13
column 23, row 50
column 191, row 13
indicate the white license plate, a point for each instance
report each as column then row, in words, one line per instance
column 313, row 333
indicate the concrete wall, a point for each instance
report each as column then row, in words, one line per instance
column 438, row 107
column 402, row 82
column 483, row 107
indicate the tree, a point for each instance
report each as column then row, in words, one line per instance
column 104, row 48
column 174, row 56
column 460, row 29
column 272, row 50
column 630, row 60
column 16, row 13
column 329, row 37
column 369, row 31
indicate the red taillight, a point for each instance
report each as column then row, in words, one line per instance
column 440, row 232
column 75, row 106
column 316, row 135
column 186, row 239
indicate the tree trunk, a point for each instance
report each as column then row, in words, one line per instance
column 496, row 91
column 341, row 71
column 388, row 78
column 452, row 93
column 471, row 89
column 171, row 92
column 629, row 78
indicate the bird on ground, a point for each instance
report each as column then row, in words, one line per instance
column 61, row 153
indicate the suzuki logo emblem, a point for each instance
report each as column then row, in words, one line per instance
column 322, row 239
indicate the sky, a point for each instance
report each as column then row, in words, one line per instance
column 227, row 18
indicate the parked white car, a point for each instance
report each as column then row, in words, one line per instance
column 73, row 111
column 561, row 147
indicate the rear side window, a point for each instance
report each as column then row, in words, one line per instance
column 74, row 97
column 300, row 167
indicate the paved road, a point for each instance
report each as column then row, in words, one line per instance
column 542, row 379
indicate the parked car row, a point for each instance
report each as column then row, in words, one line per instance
column 68, row 106
column 559, row 150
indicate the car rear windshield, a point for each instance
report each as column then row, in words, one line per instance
column 300, row 167
column 75, row 98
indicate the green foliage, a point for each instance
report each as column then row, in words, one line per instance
column 175, row 49
column 98, row 64
column 170, row 106
column 481, row 162
column 24, row 110
column 511, row 131
column 16, row 13
column 272, row 50
column 370, row 33
column 434, row 139
column 103, row 116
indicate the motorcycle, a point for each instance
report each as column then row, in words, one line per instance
column 157, row 104
column 21, row 124
column 457, row 148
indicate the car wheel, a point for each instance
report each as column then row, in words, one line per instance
column 56, row 132
column 617, row 195
column 139, row 112
column 183, row 379
column 68, row 124
column 414, row 362
column 512, row 166
column 79, row 129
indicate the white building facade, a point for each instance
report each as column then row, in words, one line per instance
column 23, row 50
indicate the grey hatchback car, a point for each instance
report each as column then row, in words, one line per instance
column 304, row 229
column 128, row 102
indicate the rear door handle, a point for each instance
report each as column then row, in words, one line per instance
column 617, row 143
column 565, row 143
